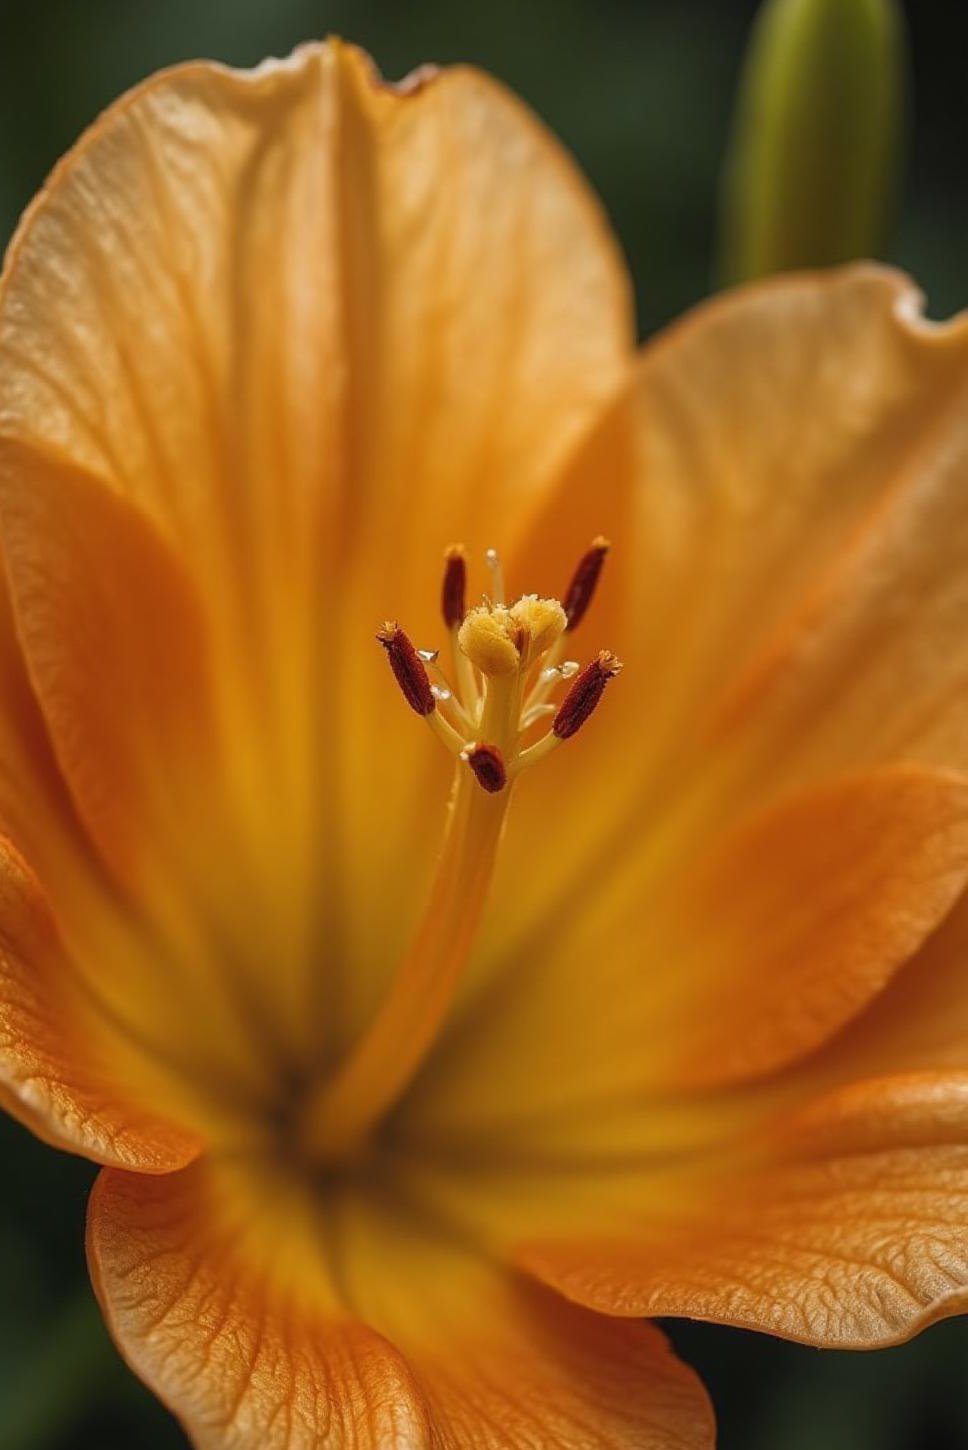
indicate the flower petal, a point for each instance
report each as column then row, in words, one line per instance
column 222, row 238
column 668, row 975
column 785, row 432
column 315, row 328
column 114, row 644
column 787, row 929
column 795, row 549
column 799, row 439
column 120, row 656
column 462, row 1356
column 54, row 1060
column 918, row 1023
column 117, row 651
column 848, row 1229
column 229, row 1352
column 36, row 810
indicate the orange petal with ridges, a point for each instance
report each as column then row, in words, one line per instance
column 114, row 644
column 783, row 426
column 464, row 1355
column 803, row 914
column 921, row 1021
column 36, row 810
column 165, row 209
column 50, row 1077
column 846, row 1228
column 795, row 550
column 676, row 973
column 917, row 1024
column 799, row 438
column 317, row 327
column 823, row 691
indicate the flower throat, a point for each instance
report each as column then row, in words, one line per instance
column 508, row 661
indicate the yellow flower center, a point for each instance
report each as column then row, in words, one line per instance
column 507, row 662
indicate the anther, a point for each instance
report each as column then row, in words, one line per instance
column 487, row 763
column 584, row 581
column 584, row 695
column 453, row 592
column 408, row 669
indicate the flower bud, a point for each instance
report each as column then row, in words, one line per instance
column 814, row 155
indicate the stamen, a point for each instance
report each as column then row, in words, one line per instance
column 408, row 668
column 493, row 561
column 445, row 731
column 344, row 1110
column 584, row 581
column 534, row 713
column 445, row 695
column 547, row 679
column 454, row 589
column 507, row 661
column 487, row 763
column 584, row 695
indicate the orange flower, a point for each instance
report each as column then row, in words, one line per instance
column 386, row 1166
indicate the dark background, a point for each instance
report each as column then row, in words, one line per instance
column 642, row 92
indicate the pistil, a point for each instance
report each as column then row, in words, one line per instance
column 506, row 667
column 387, row 1057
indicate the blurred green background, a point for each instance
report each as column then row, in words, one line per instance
column 642, row 91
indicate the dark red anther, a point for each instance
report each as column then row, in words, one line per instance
column 584, row 581
column 408, row 669
column 454, row 589
column 584, row 695
column 487, row 763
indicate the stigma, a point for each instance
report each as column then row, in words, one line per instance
column 508, row 674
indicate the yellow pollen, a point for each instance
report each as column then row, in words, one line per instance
column 541, row 622
column 485, row 637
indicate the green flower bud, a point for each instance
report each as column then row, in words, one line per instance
column 814, row 154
